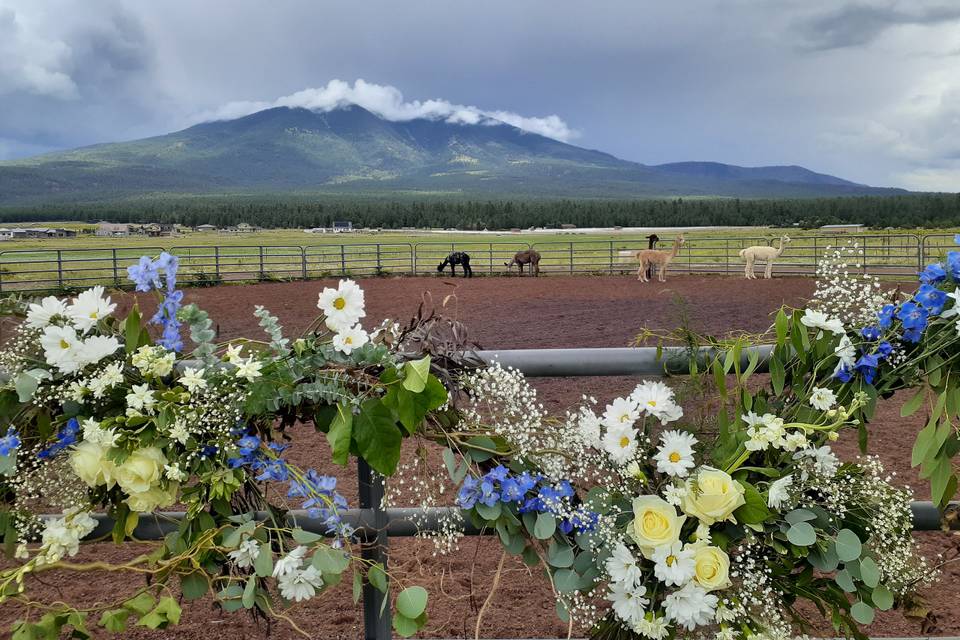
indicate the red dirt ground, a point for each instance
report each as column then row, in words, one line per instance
column 505, row 313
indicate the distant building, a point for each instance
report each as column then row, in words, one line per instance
column 340, row 226
column 564, row 226
column 243, row 227
column 206, row 227
column 111, row 229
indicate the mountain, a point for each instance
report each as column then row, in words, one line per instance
column 351, row 151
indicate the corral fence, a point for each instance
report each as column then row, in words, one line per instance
column 37, row 270
column 376, row 524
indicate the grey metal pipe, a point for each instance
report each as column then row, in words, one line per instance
column 400, row 522
column 543, row 363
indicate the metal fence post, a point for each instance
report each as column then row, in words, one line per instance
column 379, row 265
column 59, row 270
column 116, row 276
column 571, row 258
column 376, row 625
column 216, row 260
column 343, row 260
column 303, row 261
column 490, row 256
column 262, row 274
column 611, row 256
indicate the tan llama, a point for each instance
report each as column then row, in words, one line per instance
column 762, row 253
column 659, row 260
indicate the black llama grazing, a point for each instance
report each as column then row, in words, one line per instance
column 455, row 258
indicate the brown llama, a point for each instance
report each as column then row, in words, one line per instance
column 655, row 260
column 521, row 258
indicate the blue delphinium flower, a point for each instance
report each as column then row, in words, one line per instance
column 866, row 366
column 933, row 274
column 843, row 374
column 9, row 443
column 885, row 315
column 932, row 299
column 884, row 349
column 275, row 470
column 209, row 451
column 870, row 333
column 488, row 493
column 248, row 444
column 913, row 316
column 510, row 490
column 66, row 436
column 498, row 473
column 144, row 274
column 469, row 493
column 912, row 335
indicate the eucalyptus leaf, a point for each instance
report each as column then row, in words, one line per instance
column 862, row 612
column 848, row 545
column 545, row 527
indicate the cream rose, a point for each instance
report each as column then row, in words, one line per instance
column 141, row 470
column 655, row 523
column 711, row 568
column 89, row 461
column 712, row 496
column 144, row 501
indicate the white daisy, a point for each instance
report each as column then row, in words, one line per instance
column 621, row 412
column 656, row 398
column 622, row 566
column 674, row 564
column 675, row 453
column 820, row 320
column 948, row 313
column 40, row 315
column 847, row 354
column 193, row 379
column 346, row 340
column 96, row 348
column 628, row 602
column 779, row 492
column 690, row 606
column 301, row 584
column 88, row 308
column 246, row 554
column 822, row 399
column 61, row 348
column 343, row 306
column 620, row 443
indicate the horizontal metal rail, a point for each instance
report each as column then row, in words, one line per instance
column 35, row 270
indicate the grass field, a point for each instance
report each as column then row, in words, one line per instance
column 212, row 257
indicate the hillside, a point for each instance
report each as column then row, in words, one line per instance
column 351, row 151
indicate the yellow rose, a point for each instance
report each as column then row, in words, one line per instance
column 712, row 496
column 655, row 523
column 144, row 501
column 88, row 460
column 141, row 470
column 711, row 568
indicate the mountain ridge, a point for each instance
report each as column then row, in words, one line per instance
column 353, row 151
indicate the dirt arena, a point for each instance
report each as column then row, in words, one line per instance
column 505, row 313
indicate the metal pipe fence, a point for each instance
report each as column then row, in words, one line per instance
column 376, row 524
column 30, row 271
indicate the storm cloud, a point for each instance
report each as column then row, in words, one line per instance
column 865, row 90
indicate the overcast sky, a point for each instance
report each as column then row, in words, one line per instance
column 869, row 91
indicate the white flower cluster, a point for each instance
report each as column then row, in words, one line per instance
column 620, row 438
column 768, row 431
column 844, row 290
column 63, row 326
column 153, row 362
column 61, row 536
column 343, row 308
column 297, row 583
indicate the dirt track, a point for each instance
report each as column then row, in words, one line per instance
column 511, row 313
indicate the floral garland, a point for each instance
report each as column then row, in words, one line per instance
column 104, row 419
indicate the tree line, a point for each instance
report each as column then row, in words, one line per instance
column 903, row 211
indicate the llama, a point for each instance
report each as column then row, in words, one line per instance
column 760, row 252
column 455, row 258
column 655, row 259
column 521, row 258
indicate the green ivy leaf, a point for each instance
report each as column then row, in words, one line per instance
column 377, row 436
column 139, row 604
column 340, row 434
column 754, row 509
column 848, row 545
column 115, row 620
column 415, row 374
column 412, row 601
column 194, row 585
column 377, row 577
column 263, row 565
column 545, row 526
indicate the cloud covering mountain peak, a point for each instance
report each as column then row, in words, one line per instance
column 388, row 102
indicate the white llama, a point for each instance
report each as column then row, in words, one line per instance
column 762, row 253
